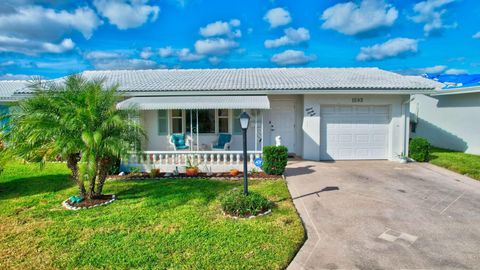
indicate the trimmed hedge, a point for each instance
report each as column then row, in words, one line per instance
column 274, row 159
column 235, row 203
column 420, row 149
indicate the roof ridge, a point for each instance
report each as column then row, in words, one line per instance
column 215, row 69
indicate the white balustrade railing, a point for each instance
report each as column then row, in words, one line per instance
column 218, row 160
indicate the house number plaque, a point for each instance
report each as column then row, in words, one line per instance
column 357, row 100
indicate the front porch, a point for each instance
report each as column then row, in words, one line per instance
column 199, row 122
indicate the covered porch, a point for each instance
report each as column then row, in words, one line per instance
column 208, row 128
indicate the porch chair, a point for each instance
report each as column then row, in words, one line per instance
column 223, row 143
column 179, row 141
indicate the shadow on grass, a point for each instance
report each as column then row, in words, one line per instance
column 172, row 193
column 28, row 186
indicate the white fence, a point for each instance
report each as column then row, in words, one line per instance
column 208, row 161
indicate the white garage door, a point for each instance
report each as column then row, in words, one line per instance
column 354, row 132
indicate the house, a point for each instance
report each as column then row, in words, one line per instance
column 319, row 113
column 7, row 89
column 448, row 118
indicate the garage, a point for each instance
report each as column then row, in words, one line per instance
column 354, row 132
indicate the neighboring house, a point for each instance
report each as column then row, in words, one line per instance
column 449, row 117
column 319, row 113
column 7, row 89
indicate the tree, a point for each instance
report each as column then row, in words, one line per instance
column 78, row 121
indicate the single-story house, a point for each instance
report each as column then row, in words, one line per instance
column 319, row 113
column 448, row 118
column 7, row 89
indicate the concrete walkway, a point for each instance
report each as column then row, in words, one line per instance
column 385, row 215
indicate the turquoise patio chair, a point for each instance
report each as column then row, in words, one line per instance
column 179, row 141
column 223, row 143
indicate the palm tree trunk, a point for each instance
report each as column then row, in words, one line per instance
column 102, row 173
column 72, row 164
column 91, row 189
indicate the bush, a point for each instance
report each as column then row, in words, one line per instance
column 236, row 203
column 274, row 159
column 420, row 149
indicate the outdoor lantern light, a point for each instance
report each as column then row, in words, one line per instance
column 244, row 121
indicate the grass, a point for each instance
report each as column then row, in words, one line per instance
column 154, row 224
column 460, row 162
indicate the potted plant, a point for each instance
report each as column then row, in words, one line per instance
column 403, row 158
column 234, row 172
column 155, row 172
column 192, row 168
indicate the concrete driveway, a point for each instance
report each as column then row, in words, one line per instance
column 384, row 215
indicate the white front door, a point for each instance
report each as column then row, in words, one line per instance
column 282, row 122
column 354, row 132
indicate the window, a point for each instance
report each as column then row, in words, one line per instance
column 177, row 121
column 223, row 121
column 237, row 129
column 162, row 122
column 206, row 121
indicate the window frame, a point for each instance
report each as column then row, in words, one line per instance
column 182, row 122
column 217, row 120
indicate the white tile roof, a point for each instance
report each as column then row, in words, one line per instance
column 7, row 88
column 256, row 80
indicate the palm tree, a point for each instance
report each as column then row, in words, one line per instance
column 77, row 120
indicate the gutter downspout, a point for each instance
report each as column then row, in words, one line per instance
column 406, row 130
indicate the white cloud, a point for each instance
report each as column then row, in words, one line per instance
column 353, row 19
column 477, row 35
column 292, row 57
column 214, row 60
column 454, row 71
column 220, row 28
column 277, row 17
column 146, row 53
column 165, row 52
column 10, row 76
column 7, row 63
column 44, row 24
column 185, row 55
column 292, row 36
column 120, row 59
column 32, row 47
column 420, row 71
column 94, row 55
column 217, row 46
column 395, row 47
column 430, row 12
column 125, row 63
column 127, row 14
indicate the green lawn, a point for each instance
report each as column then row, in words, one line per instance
column 158, row 224
column 466, row 164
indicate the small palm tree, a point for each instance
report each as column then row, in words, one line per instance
column 78, row 121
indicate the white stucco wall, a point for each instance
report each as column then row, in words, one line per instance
column 312, row 119
column 449, row 121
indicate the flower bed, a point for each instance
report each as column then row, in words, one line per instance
column 220, row 175
column 89, row 203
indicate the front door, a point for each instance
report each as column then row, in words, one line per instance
column 282, row 123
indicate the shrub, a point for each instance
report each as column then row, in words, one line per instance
column 236, row 203
column 420, row 149
column 274, row 159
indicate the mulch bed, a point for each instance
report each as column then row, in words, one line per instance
column 89, row 203
column 220, row 175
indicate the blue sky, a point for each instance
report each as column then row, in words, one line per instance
column 55, row 38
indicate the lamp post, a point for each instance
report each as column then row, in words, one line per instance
column 244, row 121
